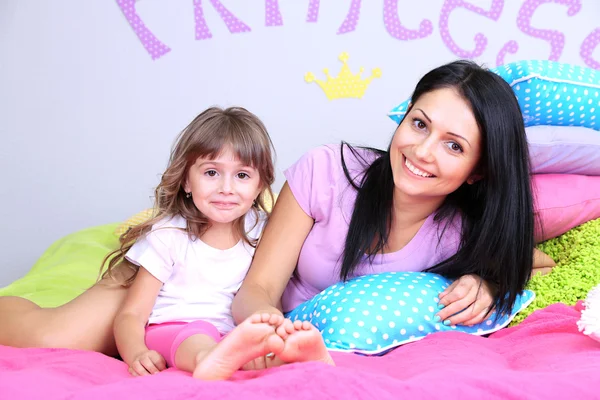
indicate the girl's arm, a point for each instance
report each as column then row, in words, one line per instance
column 275, row 258
column 130, row 322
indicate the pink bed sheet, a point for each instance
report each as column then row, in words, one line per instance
column 545, row 357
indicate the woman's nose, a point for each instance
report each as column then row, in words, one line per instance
column 424, row 149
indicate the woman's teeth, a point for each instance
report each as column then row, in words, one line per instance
column 416, row 170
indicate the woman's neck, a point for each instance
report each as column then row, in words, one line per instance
column 221, row 236
column 408, row 216
column 410, row 210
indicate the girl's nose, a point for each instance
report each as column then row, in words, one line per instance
column 226, row 186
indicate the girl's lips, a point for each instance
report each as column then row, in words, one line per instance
column 224, row 205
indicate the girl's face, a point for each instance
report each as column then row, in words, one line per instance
column 223, row 189
column 437, row 146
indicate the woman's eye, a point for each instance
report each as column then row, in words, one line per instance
column 455, row 147
column 419, row 124
column 211, row 172
column 243, row 175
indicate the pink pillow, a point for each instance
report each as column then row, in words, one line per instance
column 564, row 201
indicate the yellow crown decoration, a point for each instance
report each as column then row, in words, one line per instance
column 346, row 84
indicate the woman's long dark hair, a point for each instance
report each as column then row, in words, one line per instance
column 497, row 239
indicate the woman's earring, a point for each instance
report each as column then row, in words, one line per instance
column 188, row 195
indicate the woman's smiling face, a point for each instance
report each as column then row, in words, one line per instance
column 437, row 146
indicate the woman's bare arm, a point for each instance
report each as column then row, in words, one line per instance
column 275, row 258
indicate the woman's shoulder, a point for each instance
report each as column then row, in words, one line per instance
column 353, row 153
column 335, row 156
column 448, row 229
column 323, row 173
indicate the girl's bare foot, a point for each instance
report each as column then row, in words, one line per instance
column 253, row 338
column 303, row 342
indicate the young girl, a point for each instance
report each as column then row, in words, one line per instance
column 189, row 261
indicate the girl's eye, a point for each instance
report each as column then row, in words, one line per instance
column 419, row 124
column 211, row 172
column 243, row 175
column 455, row 147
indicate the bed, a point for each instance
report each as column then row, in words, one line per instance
column 541, row 355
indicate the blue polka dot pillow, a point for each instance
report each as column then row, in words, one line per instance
column 372, row 314
column 549, row 93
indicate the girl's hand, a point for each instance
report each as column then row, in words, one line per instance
column 146, row 363
column 466, row 301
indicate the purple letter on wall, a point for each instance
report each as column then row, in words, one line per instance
column 480, row 39
column 313, row 11
column 587, row 48
column 395, row 28
column 156, row 48
column 153, row 46
column 350, row 21
column 556, row 38
column 231, row 21
column 273, row 15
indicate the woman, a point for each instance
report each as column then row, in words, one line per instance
column 468, row 202
column 451, row 195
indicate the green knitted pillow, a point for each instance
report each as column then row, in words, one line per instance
column 577, row 254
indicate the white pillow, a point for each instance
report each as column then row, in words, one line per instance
column 564, row 149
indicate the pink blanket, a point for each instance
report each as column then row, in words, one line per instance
column 544, row 357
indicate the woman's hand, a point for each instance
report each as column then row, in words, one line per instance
column 148, row 362
column 466, row 301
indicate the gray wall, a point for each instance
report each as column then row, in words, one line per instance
column 88, row 118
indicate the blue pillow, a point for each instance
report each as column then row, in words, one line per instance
column 549, row 93
column 372, row 314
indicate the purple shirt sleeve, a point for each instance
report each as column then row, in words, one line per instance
column 310, row 180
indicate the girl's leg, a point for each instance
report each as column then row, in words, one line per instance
column 180, row 342
column 84, row 323
column 197, row 347
column 253, row 338
column 193, row 350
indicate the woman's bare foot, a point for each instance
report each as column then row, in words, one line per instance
column 542, row 263
column 251, row 339
column 303, row 342
column 540, row 271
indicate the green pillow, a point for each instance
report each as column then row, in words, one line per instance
column 67, row 268
column 577, row 271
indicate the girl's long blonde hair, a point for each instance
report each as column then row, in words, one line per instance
column 206, row 136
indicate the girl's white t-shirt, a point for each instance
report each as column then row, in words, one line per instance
column 199, row 281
